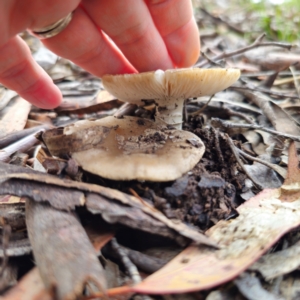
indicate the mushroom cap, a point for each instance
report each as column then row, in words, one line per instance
column 174, row 83
column 130, row 148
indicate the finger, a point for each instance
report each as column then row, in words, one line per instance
column 130, row 25
column 83, row 43
column 19, row 72
column 176, row 24
column 16, row 16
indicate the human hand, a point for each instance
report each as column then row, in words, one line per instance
column 146, row 34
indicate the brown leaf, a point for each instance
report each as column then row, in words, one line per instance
column 58, row 197
column 283, row 121
column 15, row 180
column 271, row 59
column 14, row 116
column 252, row 289
column 133, row 217
column 80, row 105
column 279, row 263
column 30, row 287
column 63, row 253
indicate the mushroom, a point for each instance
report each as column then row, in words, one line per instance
column 127, row 149
column 135, row 148
column 169, row 89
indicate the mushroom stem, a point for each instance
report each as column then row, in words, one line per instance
column 170, row 113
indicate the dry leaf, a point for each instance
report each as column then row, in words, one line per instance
column 278, row 263
column 252, row 289
column 267, row 177
column 283, row 121
column 63, row 253
column 261, row 222
column 67, row 194
column 272, row 59
column 14, row 116
column 30, row 287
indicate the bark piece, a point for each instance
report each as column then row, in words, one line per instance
column 58, row 197
column 59, row 235
column 132, row 217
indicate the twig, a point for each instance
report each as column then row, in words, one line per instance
column 267, row 73
column 263, row 102
column 5, row 241
column 231, row 112
column 130, row 267
column 236, row 155
column 217, row 145
column 281, row 171
column 269, row 82
column 22, row 145
column 263, row 90
column 222, row 21
column 227, row 125
column 199, row 111
column 145, row 203
column 211, row 61
column 16, row 136
column 296, row 82
column 257, row 43
column 113, row 292
column 142, row 261
column 124, row 110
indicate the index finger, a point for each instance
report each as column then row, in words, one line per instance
column 175, row 21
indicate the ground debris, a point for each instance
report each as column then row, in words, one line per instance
column 59, row 234
column 246, row 131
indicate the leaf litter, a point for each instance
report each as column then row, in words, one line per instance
column 246, row 131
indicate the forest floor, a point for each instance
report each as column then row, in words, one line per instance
column 226, row 229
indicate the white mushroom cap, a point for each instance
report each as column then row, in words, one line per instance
column 130, row 148
column 175, row 83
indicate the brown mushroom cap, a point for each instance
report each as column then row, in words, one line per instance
column 175, row 83
column 130, row 148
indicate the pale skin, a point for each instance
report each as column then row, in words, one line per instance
column 149, row 35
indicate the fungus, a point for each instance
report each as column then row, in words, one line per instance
column 127, row 149
column 169, row 89
column 135, row 148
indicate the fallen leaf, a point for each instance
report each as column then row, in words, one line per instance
column 283, row 121
column 267, row 177
column 278, row 263
column 272, row 59
column 252, row 289
column 14, row 116
column 66, row 259
column 30, row 287
column 67, row 194
column 261, row 222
